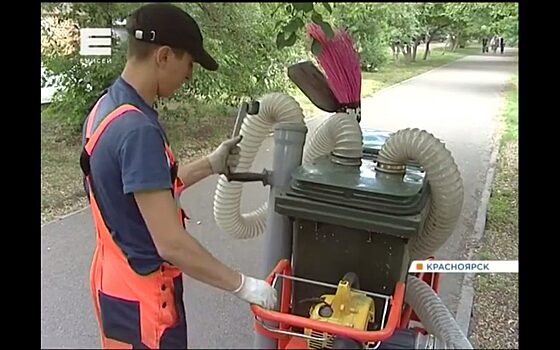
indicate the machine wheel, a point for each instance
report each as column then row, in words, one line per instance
column 345, row 343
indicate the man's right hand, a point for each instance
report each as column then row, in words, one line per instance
column 159, row 210
column 255, row 291
column 226, row 156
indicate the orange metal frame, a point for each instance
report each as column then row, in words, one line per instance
column 398, row 317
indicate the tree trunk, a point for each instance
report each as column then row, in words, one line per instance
column 452, row 42
column 415, row 48
column 427, row 49
column 406, row 52
column 409, row 53
column 401, row 49
column 456, row 42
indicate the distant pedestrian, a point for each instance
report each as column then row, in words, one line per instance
column 502, row 45
column 494, row 44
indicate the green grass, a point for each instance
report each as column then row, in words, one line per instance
column 511, row 112
column 495, row 323
column 193, row 128
column 394, row 72
column 61, row 190
column 203, row 125
column 503, row 203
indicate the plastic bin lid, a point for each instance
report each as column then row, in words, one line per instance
column 361, row 187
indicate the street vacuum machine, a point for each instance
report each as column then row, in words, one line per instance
column 349, row 209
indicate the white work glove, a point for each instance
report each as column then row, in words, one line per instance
column 257, row 292
column 226, row 157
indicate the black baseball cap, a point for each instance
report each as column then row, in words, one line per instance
column 166, row 24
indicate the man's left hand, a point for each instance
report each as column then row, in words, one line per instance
column 225, row 157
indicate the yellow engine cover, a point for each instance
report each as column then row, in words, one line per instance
column 345, row 308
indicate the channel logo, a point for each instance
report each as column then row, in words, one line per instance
column 465, row 266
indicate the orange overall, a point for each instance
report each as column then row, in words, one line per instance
column 133, row 311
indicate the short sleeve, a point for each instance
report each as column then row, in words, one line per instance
column 144, row 164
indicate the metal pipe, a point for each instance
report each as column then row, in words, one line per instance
column 288, row 152
column 329, row 285
column 241, row 114
column 273, row 108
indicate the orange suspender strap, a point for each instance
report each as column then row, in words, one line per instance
column 91, row 117
column 169, row 154
column 92, row 140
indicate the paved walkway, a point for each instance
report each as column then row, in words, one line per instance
column 458, row 103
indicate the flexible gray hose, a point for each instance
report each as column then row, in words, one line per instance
column 446, row 187
column 435, row 317
column 339, row 134
column 444, row 180
column 274, row 108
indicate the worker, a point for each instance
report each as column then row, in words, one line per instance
column 133, row 183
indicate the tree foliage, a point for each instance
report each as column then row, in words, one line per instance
column 250, row 63
column 254, row 43
column 81, row 79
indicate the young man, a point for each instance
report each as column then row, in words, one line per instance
column 134, row 183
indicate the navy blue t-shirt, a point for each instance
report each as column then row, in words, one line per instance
column 129, row 157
